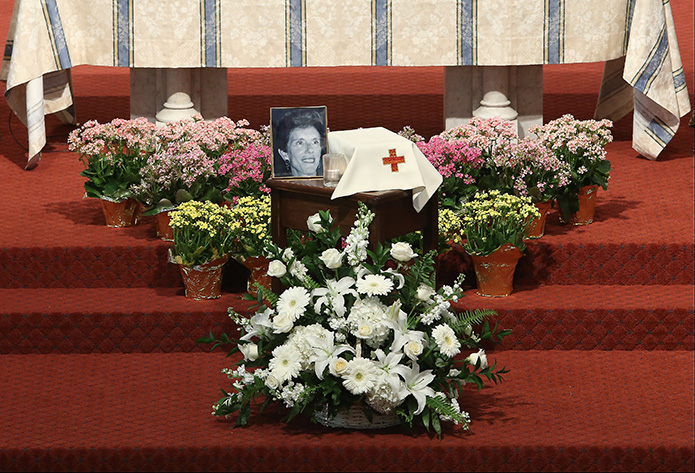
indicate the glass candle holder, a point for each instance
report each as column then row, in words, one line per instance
column 334, row 165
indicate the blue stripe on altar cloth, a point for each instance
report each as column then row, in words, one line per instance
column 554, row 31
column 381, row 32
column 60, row 47
column 650, row 69
column 295, row 32
column 8, row 50
column 679, row 79
column 654, row 126
column 629, row 12
column 123, row 25
column 466, row 34
column 211, row 33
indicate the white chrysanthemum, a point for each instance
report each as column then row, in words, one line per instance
column 374, row 285
column 293, row 302
column 446, row 340
column 285, row 364
column 360, row 376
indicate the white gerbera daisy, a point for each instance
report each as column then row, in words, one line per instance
column 285, row 363
column 360, row 376
column 374, row 285
column 446, row 340
column 293, row 302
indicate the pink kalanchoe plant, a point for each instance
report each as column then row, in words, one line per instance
column 113, row 154
column 528, row 169
column 581, row 144
column 247, row 170
column 486, row 134
column 459, row 164
column 186, row 165
column 175, row 174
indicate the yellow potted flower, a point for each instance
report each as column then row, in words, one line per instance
column 250, row 229
column 494, row 227
column 202, row 242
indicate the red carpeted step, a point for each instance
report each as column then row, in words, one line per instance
column 592, row 317
column 572, row 411
column 142, row 320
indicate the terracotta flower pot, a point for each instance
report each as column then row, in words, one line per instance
column 587, row 204
column 125, row 213
column 495, row 272
column 258, row 266
column 164, row 230
column 203, row 281
column 537, row 228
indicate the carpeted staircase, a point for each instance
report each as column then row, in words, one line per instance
column 99, row 369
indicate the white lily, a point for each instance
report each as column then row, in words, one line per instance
column 260, row 325
column 391, row 365
column 401, row 333
column 334, row 294
column 399, row 277
column 417, row 382
column 325, row 352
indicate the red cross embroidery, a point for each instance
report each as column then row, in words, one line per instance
column 393, row 160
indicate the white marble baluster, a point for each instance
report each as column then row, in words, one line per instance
column 495, row 102
column 178, row 105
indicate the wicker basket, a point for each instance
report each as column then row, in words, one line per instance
column 355, row 418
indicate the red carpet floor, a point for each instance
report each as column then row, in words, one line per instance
column 100, row 371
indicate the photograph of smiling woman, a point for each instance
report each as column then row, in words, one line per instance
column 299, row 141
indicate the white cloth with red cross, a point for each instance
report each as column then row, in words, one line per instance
column 381, row 160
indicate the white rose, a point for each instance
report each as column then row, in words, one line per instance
column 250, row 351
column 332, row 258
column 365, row 331
column 424, row 292
column 474, row 357
column 282, row 323
column 402, row 252
column 413, row 349
column 314, row 223
column 338, row 367
column 276, row 269
column 272, row 381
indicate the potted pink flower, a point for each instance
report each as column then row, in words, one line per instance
column 581, row 144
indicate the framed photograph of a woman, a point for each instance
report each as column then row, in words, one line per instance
column 299, row 141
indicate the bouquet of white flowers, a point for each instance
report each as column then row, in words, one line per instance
column 356, row 329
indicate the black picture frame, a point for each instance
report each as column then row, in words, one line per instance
column 298, row 138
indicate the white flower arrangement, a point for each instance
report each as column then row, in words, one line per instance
column 357, row 328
